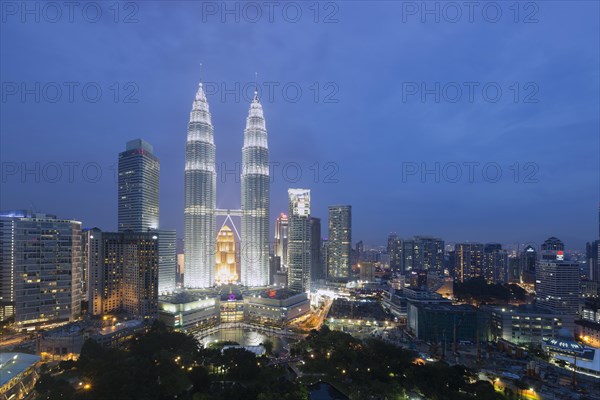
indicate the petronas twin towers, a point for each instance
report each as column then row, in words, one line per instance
column 201, row 198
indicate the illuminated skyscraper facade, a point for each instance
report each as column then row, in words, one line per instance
column 123, row 270
column 255, row 199
column 139, row 175
column 41, row 263
column 280, row 247
column 340, row 242
column 299, row 240
column 316, row 269
column 557, row 281
column 200, row 197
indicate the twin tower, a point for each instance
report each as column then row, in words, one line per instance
column 201, row 195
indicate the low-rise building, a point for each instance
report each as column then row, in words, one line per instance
column 566, row 352
column 18, row 375
column 119, row 333
column 524, row 324
column 588, row 332
column 195, row 310
column 187, row 312
column 275, row 307
column 443, row 322
column 65, row 342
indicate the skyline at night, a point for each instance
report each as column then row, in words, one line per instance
column 300, row 200
column 375, row 111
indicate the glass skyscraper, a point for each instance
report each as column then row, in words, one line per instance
column 299, row 240
column 138, row 204
column 280, row 247
column 139, row 175
column 315, row 249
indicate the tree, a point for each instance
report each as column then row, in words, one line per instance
column 268, row 345
column 50, row 388
column 90, row 351
column 200, row 379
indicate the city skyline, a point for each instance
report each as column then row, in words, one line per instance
column 372, row 104
column 300, row 200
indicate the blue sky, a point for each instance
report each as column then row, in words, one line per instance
column 368, row 122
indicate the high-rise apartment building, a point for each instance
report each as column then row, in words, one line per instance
column 340, row 242
column 469, row 261
column 41, row 263
column 299, row 240
column 495, row 263
column 422, row 253
column 394, row 249
column 123, row 272
column 139, row 175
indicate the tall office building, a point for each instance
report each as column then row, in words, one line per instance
column 280, row 247
column 360, row 250
column 394, row 249
column 200, row 196
column 167, row 260
column 255, row 199
column 299, row 240
column 557, row 281
column 40, row 279
column 315, row 249
column 527, row 262
column 138, row 204
column 593, row 260
column 123, row 273
column 325, row 257
column 340, row 242
column 139, row 174
column 552, row 249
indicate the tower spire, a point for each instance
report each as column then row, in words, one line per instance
column 255, row 100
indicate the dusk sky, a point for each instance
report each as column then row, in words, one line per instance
column 369, row 129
